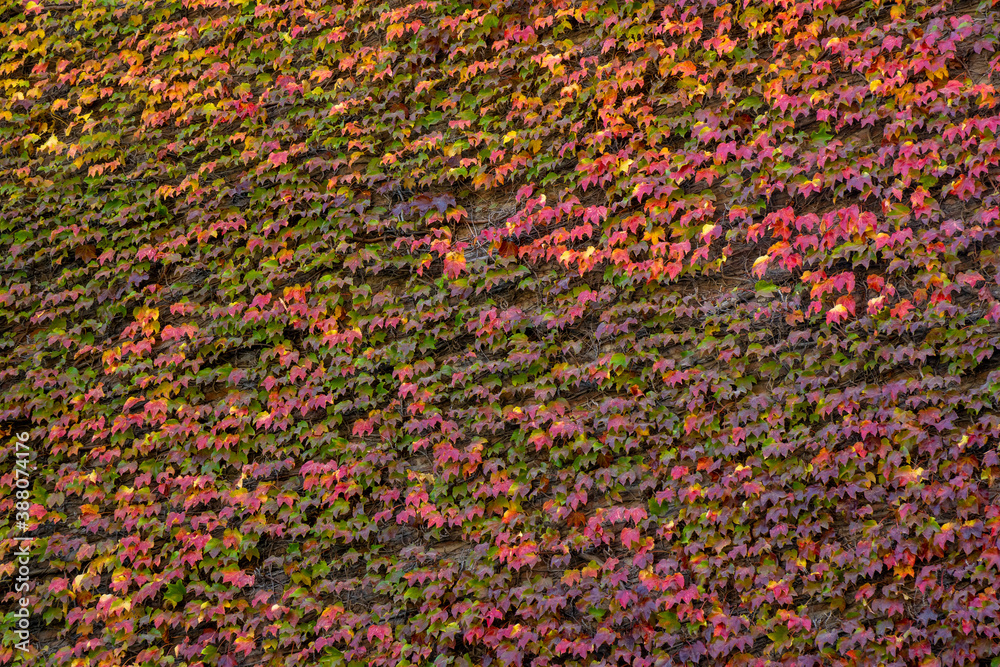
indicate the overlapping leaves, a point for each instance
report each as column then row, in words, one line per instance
column 552, row 333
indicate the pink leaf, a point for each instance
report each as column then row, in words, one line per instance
column 837, row 314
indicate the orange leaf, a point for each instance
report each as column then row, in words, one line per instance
column 85, row 252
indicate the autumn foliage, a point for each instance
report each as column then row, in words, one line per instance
column 452, row 332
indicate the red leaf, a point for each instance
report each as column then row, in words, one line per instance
column 508, row 249
column 454, row 264
column 630, row 536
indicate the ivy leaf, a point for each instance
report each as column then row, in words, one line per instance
column 779, row 635
column 175, row 593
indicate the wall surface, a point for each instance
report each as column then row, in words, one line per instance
column 524, row 333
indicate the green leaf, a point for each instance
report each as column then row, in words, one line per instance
column 779, row 635
column 175, row 593
column 822, row 137
column 668, row 621
column 764, row 287
column 658, row 509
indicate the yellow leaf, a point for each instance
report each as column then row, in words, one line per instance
column 655, row 235
column 165, row 389
column 144, row 313
column 939, row 74
column 52, row 144
column 570, row 91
